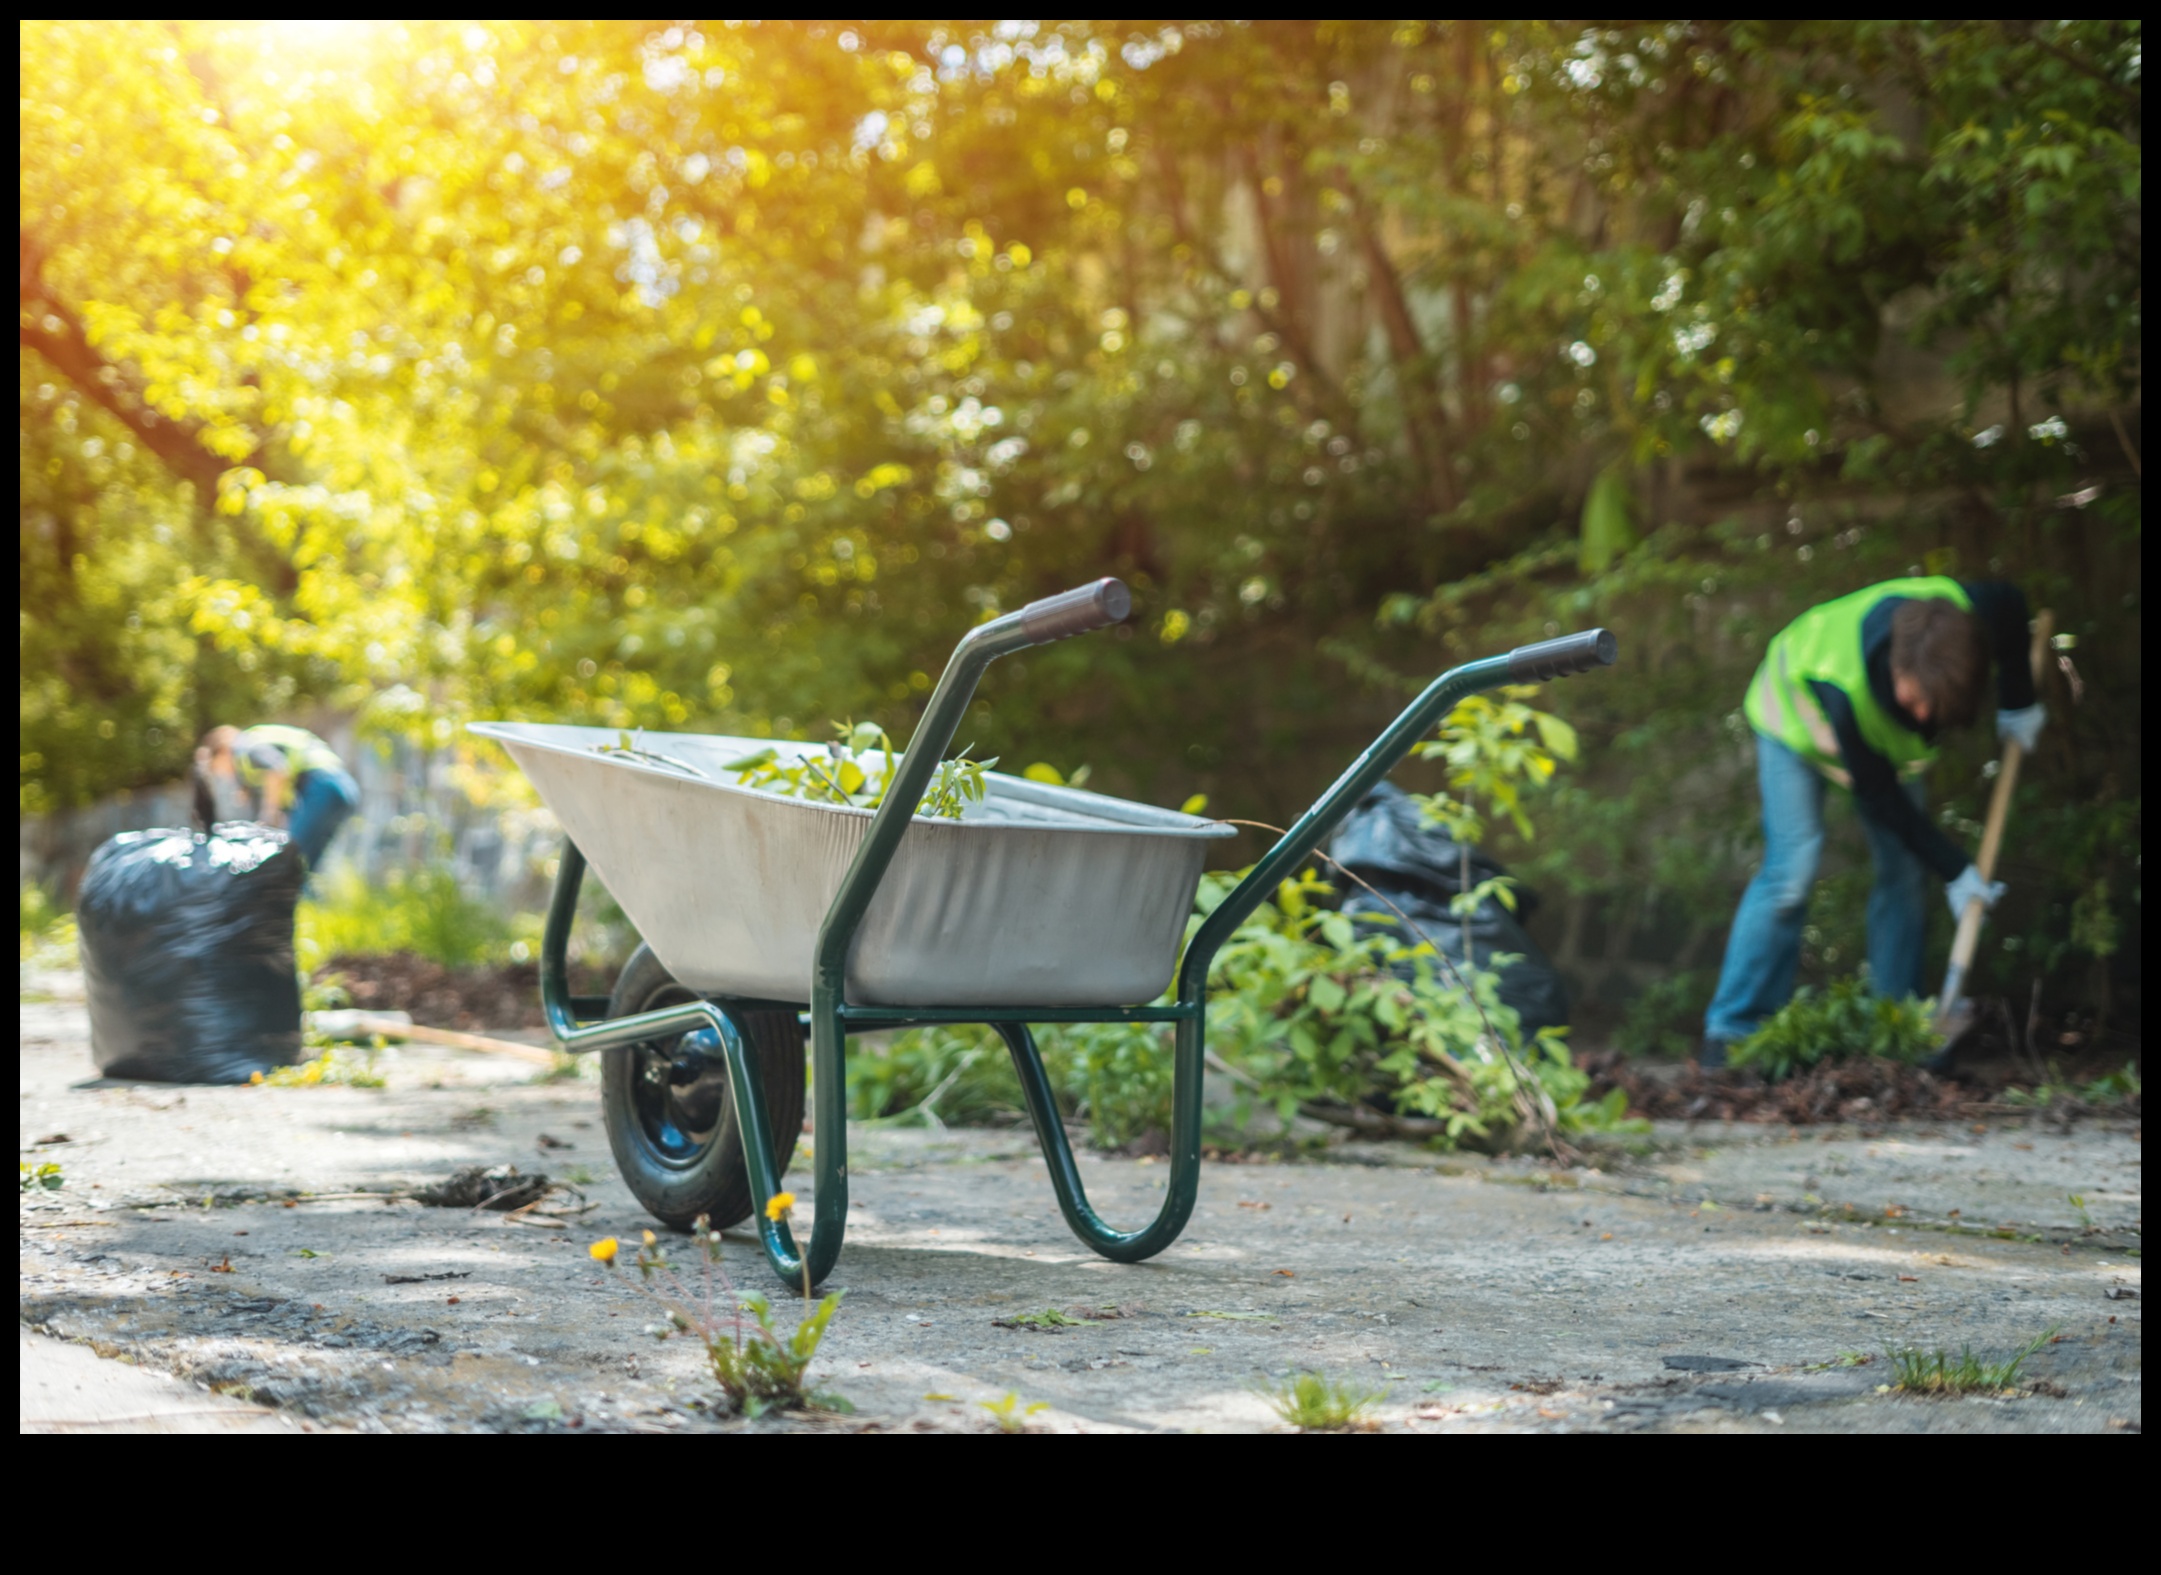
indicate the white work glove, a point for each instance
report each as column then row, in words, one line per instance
column 2023, row 724
column 1968, row 886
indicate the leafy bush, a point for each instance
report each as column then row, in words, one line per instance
column 1306, row 1010
column 1841, row 1021
column 425, row 912
column 46, row 929
column 1316, row 1013
column 1116, row 1076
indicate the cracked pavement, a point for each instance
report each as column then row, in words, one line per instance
column 1705, row 1279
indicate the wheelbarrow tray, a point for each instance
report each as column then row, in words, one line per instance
column 1037, row 895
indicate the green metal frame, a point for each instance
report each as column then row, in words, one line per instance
column 833, row 1017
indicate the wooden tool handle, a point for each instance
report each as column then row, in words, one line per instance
column 391, row 1028
column 1999, row 810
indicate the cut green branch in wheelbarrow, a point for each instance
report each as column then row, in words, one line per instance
column 856, row 768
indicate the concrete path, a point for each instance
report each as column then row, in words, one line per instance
column 1712, row 1280
column 72, row 1389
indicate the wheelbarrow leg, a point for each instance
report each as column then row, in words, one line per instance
column 831, row 1204
column 1185, row 1177
column 830, row 1137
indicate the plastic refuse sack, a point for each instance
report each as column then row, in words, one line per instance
column 187, row 949
column 1387, row 841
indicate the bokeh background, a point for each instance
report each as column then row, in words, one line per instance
column 718, row 376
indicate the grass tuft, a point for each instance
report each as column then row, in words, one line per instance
column 1938, row 1372
column 1313, row 1403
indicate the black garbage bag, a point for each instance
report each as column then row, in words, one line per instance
column 187, row 948
column 1387, row 841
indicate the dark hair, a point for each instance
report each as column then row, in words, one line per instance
column 1940, row 646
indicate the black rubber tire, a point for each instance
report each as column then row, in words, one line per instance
column 702, row 1171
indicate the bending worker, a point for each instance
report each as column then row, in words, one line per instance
column 1854, row 692
column 294, row 778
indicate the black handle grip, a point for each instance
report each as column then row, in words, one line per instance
column 1570, row 654
column 1060, row 617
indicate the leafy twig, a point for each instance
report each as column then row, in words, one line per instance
column 1534, row 1105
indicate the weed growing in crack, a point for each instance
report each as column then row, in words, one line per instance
column 1010, row 1414
column 1940, row 1373
column 1048, row 1318
column 1313, row 1403
column 758, row 1368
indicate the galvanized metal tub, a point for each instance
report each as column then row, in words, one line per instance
column 1037, row 896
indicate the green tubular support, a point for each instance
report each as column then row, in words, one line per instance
column 780, row 1247
column 1185, row 1179
column 1281, row 862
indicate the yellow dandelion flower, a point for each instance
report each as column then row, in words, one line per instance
column 651, row 1240
column 604, row 1251
column 778, row 1204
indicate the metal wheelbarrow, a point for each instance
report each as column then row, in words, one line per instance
column 762, row 914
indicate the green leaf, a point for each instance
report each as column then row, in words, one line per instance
column 1608, row 526
column 1556, row 735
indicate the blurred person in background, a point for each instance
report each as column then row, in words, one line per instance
column 292, row 778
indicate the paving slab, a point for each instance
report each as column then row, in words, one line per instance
column 1728, row 1279
column 69, row 1388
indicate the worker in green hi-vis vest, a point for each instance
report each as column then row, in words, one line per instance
column 295, row 780
column 1854, row 693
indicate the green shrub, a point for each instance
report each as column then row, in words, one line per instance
column 1315, row 1012
column 1306, row 1009
column 1666, row 1016
column 954, row 1076
column 1841, row 1021
column 46, row 929
column 424, row 911
column 1115, row 1076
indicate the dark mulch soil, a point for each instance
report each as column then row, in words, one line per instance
column 1863, row 1090
column 1866, row 1090
column 506, row 995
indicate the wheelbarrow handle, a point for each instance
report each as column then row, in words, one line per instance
column 1574, row 653
column 1087, row 607
column 1562, row 658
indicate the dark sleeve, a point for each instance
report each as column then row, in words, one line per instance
column 2001, row 607
column 1876, row 790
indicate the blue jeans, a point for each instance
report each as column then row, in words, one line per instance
column 322, row 802
column 1764, row 950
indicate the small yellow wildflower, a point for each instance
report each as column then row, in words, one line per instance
column 604, row 1251
column 778, row 1204
column 651, row 1240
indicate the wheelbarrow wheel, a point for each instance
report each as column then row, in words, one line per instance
column 671, row 1113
